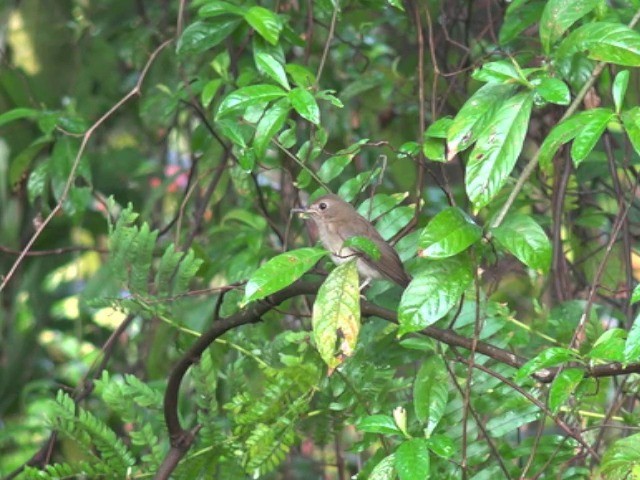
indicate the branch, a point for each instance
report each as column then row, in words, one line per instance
column 182, row 438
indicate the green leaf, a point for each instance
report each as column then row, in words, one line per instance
column 17, row 114
column 521, row 236
column 448, row 233
column 519, row 17
column 635, row 295
column 622, row 459
column 475, row 115
column 241, row 99
column 233, row 131
column 563, row 386
column 412, row 460
column 554, row 90
column 201, row 36
column 209, row 91
column 433, row 144
column 390, row 224
column 379, row 423
column 265, row 22
column 431, row 392
column 20, row 164
column 563, row 133
column 433, row 292
column 631, row 122
column 558, row 16
column 610, row 346
column 381, row 204
column 364, row 245
column 304, row 103
column 336, row 314
column 269, row 125
column 589, row 134
column 497, row 149
column 300, row 75
column 547, row 358
column 632, row 345
column 498, row 72
column 442, row 446
column 268, row 65
column 333, row 166
column 217, row 8
column 385, row 469
column 619, row 89
column 280, row 272
column 607, row 42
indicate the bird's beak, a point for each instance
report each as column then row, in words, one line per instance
column 304, row 212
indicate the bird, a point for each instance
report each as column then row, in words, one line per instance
column 337, row 221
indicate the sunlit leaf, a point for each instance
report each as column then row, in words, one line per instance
column 431, row 392
column 433, row 291
column 474, row 116
column 559, row 15
column 412, row 460
column 448, row 233
column 497, row 149
column 245, row 97
column 304, row 103
column 521, row 236
column 563, row 387
column 280, row 272
column 265, row 22
column 336, row 314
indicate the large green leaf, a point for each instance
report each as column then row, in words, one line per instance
column 305, row 104
column 497, row 149
column 265, row 22
column 336, row 314
column 518, row 17
column 619, row 89
column 245, row 97
column 280, row 272
column 608, row 42
column 563, row 387
column 269, row 125
column 559, row 15
column 201, row 36
column 412, row 460
column 632, row 344
column 567, row 131
column 448, row 233
column 475, row 115
column 431, row 392
column 547, row 358
column 17, row 114
column 553, row 90
column 219, row 7
column 268, row 65
column 622, row 459
column 433, row 292
column 631, row 123
column 589, row 135
column 385, row 469
column 379, row 424
column 521, row 236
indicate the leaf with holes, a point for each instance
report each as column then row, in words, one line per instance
column 336, row 314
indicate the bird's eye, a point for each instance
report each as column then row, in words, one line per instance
column 322, row 206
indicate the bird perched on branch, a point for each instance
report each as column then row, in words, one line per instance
column 337, row 222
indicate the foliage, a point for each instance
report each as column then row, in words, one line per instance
column 151, row 156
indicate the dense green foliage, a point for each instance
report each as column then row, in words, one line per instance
column 151, row 154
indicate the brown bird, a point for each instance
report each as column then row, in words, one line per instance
column 338, row 221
